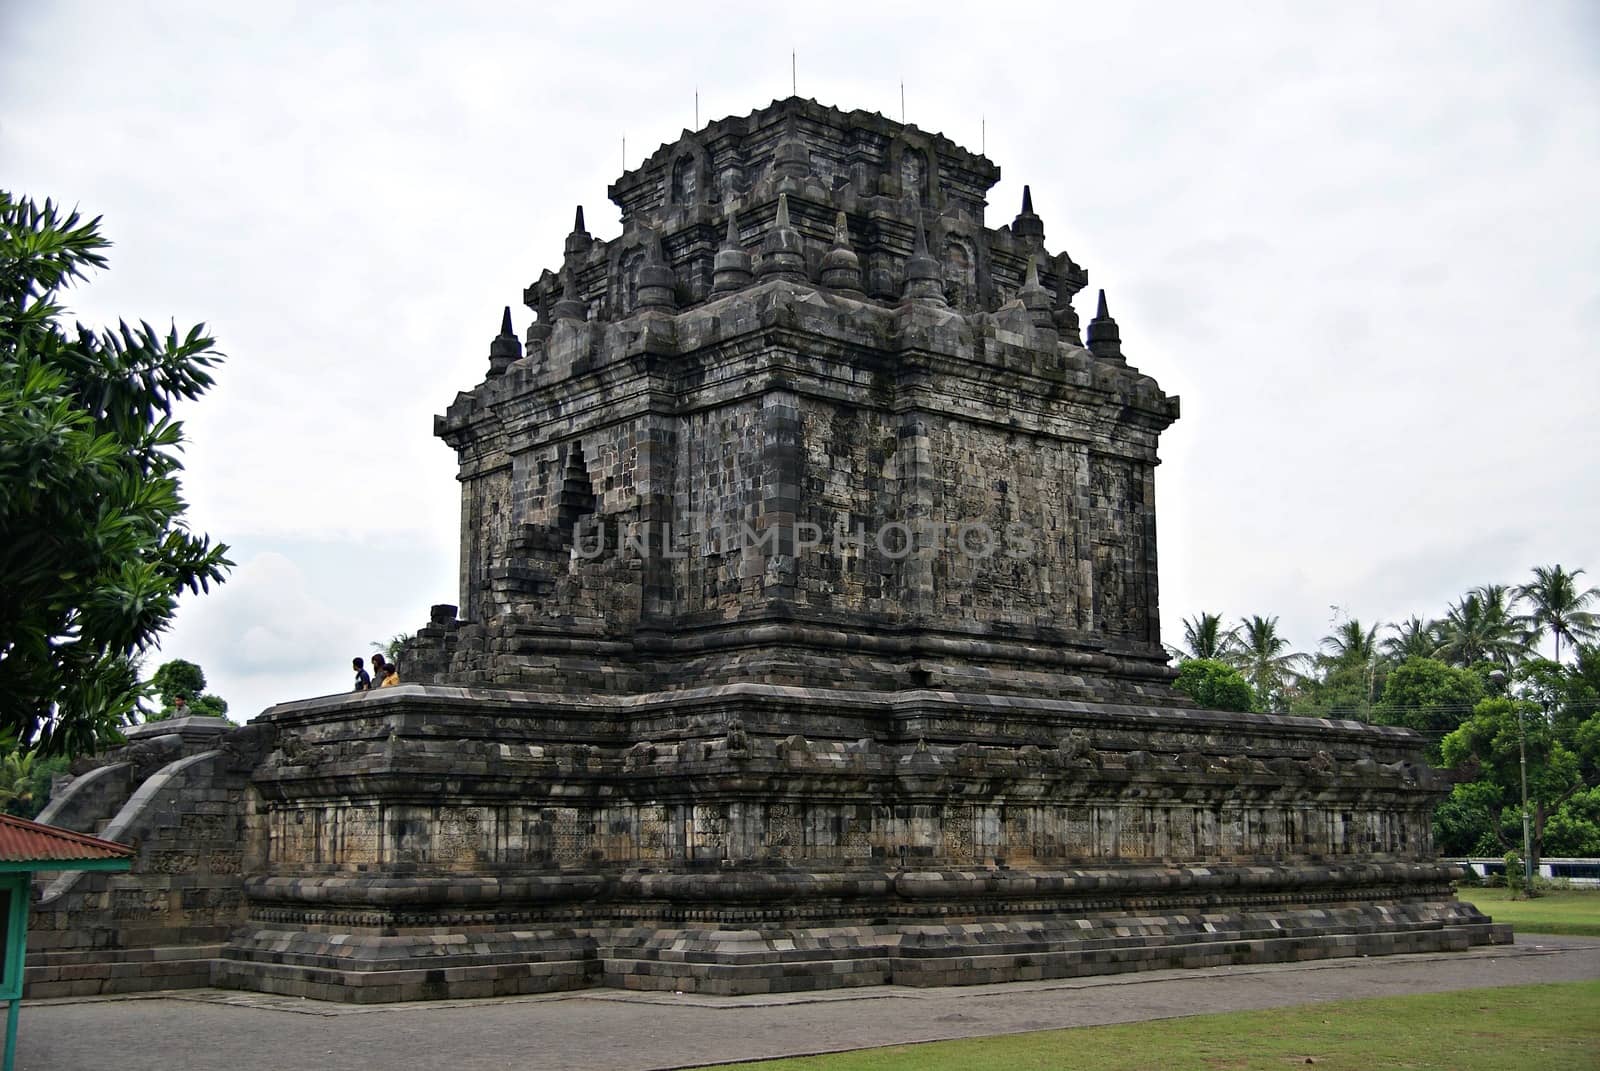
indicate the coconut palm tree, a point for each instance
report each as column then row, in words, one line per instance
column 1204, row 637
column 1413, row 638
column 1264, row 656
column 1482, row 627
column 392, row 646
column 1351, row 644
column 1353, row 647
column 1559, row 607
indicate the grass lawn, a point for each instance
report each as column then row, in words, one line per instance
column 1571, row 911
column 1549, row 1027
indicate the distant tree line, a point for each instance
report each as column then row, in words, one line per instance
column 1472, row 681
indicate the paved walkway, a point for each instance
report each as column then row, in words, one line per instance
column 608, row 1030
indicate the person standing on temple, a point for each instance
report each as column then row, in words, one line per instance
column 363, row 682
column 391, row 675
column 380, row 670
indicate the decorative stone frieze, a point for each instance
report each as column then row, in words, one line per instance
column 807, row 637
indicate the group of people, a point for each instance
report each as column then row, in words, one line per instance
column 384, row 673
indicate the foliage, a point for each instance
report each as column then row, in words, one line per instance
column 392, row 647
column 1430, row 675
column 1214, row 685
column 1464, row 823
column 1350, row 674
column 1574, row 830
column 25, row 780
column 1559, row 607
column 93, row 546
column 1514, row 872
column 1412, row 638
column 1267, row 661
column 1204, row 637
column 180, row 677
column 1559, row 765
column 1427, row 695
column 16, row 777
column 1482, row 627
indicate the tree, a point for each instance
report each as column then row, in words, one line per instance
column 16, row 778
column 1558, row 607
column 1574, row 829
column 93, row 546
column 1214, row 685
column 1413, row 638
column 1465, row 822
column 180, row 678
column 1426, row 695
column 1482, row 627
column 392, row 647
column 1265, row 659
column 1351, row 651
column 1559, row 768
column 1204, row 637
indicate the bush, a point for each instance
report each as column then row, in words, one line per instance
column 1214, row 685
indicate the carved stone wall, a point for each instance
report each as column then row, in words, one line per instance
column 843, row 435
column 738, row 697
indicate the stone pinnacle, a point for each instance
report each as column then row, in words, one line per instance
column 505, row 349
column 730, row 268
column 1105, row 339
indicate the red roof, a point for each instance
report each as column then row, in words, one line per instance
column 22, row 841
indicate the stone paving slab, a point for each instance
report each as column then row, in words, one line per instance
column 608, row 1029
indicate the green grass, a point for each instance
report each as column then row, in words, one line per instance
column 1549, row 1027
column 1569, row 911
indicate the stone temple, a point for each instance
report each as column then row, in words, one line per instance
column 807, row 637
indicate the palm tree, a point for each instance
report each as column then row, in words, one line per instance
column 1559, row 607
column 1353, row 646
column 392, row 647
column 1204, row 637
column 1413, row 638
column 16, row 778
column 1351, row 649
column 1264, row 657
column 1482, row 628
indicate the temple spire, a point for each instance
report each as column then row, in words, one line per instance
column 1066, row 317
column 505, row 349
column 841, row 268
column 1105, row 339
column 657, row 283
column 578, row 241
column 1035, row 298
column 730, row 269
column 924, row 283
column 571, row 306
column 782, row 250
column 1028, row 226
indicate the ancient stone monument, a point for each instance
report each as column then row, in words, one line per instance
column 807, row 638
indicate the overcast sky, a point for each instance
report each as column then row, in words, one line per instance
column 1359, row 240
